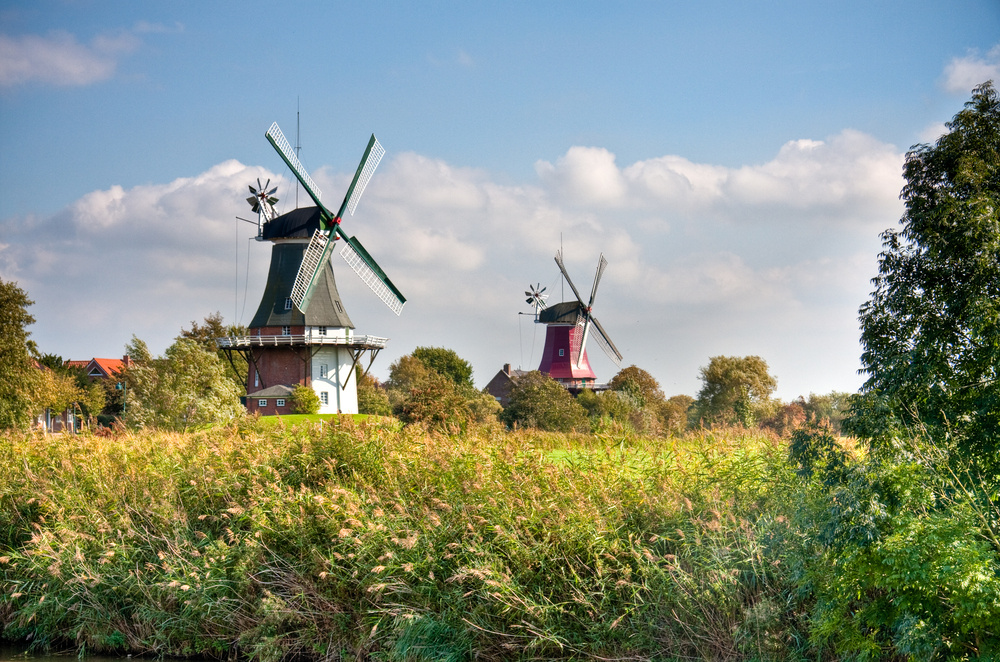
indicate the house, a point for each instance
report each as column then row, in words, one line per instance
column 499, row 386
column 95, row 368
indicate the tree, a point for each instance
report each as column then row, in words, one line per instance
column 737, row 390
column 445, row 362
column 205, row 335
column 186, row 387
column 305, row 400
column 638, row 383
column 674, row 413
column 540, row 402
column 372, row 396
column 930, row 332
column 19, row 378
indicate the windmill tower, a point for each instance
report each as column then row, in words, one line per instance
column 568, row 327
column 301, row 332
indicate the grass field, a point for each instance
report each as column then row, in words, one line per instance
column 363, row 540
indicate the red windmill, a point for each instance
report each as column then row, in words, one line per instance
column 568, row 327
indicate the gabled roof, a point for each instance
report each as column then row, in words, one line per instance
column 104, row 367
column 277, row 391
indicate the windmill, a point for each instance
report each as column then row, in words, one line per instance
column 536, row 298
column 301, row 333
column 262, row 203
column 322, row 242
column 569, row 325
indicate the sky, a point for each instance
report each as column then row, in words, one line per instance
column 734, row 162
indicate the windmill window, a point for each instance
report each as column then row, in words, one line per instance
column 324, row 397
column 322, row 370
column 262, row 402
column 256, row 378
column 288, row 303
column 322, row 330
column 336, row 302
column 286, row 330
column 562, row 352
column 280, row 402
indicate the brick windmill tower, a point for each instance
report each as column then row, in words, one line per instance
column 568, row 326
column 301, row 333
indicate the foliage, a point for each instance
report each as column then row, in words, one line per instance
column 539, row 402
column 445, row 362
column 639, row 384
column 736, row 391
column 930, row 329
column 304, row 400
column 899, row 557
column 205, row 335
column 372, row 396
column 675, row 413
column 186, row 387
column 18, row 376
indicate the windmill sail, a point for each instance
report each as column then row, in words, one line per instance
column 321, row 246
column 586, row 322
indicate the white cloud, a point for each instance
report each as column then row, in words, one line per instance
column 757, row 258
column 964, row 73
column 59, row 59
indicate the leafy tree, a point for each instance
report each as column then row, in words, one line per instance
column 540, row 402
column 372, row 396
column 445, row 362
column 930, row 332
column 638, row 383
column 675, row 412
column 206, row 333
column 186, row 387
column 18, row 376
column 736, row 390
column 305, row 400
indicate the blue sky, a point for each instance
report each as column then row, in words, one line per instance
column 735, row 162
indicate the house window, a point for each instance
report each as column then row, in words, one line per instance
column 286, row 330
column 288, row 303
column 262, row 402
column 324, row 397
column 280, row 402
column 322, row 330
column 322, row 371
column 562, row 352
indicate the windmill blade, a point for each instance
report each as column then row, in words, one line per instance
column 562, row 268
column 602, row 264
column 605, row 342
column 313, row 261
column 368, row 270
column 583, row 339
column 284, row 149
column 373, row 154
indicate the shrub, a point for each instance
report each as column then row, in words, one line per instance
column 305, row 400
column 539, row 402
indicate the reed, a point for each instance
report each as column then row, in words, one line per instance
column 364, row 540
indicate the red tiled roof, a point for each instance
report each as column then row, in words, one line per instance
column 107, row 366
column 77, row 364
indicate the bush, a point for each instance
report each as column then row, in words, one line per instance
column 539, row 402
column 304, row 400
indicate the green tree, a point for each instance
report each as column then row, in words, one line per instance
column 205, row 335
column 540, row 402
column 445, row 362
column 186, row 387
column 372, row 396
column 19, row 378
column 675, row 413
column 305, row 400
column 638, row 383
column 930, row 332
column 736, row 390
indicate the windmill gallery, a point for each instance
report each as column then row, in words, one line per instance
column 301, row 332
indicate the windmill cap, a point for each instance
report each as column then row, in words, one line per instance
column 298, row 223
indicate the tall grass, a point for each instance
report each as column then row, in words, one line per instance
column 362, row 540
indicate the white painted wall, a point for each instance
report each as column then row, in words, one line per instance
column 340, row 386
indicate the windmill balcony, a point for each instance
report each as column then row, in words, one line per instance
column 358, row 342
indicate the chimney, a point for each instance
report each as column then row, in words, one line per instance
column 506, row 369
